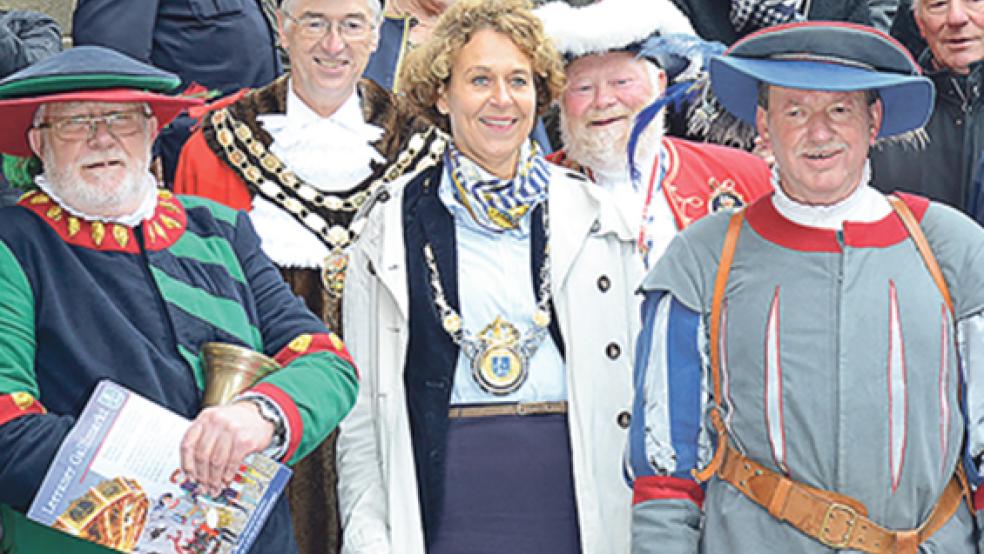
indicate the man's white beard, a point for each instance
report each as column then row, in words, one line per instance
column 604, row 150
column 102, row 199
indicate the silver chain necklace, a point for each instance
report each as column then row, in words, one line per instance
column 500, row 354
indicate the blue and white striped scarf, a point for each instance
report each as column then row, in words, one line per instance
column 499, row 204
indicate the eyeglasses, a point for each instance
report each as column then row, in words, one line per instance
column 315, row 27
column 81, row 127
column 940, row 7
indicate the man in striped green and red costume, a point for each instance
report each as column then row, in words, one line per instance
column 103, row 275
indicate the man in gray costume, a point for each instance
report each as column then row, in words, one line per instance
column 809, row 376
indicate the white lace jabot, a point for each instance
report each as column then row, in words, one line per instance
column 864, row 205
column 331, row 153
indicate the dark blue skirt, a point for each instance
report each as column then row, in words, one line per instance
column 508, row 487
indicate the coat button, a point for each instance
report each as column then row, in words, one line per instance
column 613, row 350
column 604, row 283
column 624, row 418
column 596, row 226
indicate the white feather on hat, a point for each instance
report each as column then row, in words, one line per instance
column 609, row 24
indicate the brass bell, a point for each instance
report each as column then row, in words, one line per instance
column 230, row 370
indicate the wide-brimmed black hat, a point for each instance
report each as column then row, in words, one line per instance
column 825, row 56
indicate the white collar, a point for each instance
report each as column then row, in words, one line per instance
column 301, row 124
column 144, row 211
column 348, row 115
column 864, row 205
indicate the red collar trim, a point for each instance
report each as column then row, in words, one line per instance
column 159, row 232
column 773, row 227
column 559, row 157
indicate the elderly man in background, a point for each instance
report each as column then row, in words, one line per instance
column 816, row 336
column 299, row 155
column 945, row 168
column 613, row 73
column 104, row 275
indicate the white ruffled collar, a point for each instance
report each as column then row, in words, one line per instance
column 144, row 211
column 864, row 205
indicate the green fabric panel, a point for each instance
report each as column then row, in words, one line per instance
column 223, row 313
column 209, row 250
column 23, row 536
column 20, row 172
column 324, row 388
column 17, row 340
column 219, row 211
column 196, row 366
column 68, row 83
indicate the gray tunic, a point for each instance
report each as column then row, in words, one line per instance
column 839, row 369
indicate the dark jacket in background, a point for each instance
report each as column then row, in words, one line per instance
column 711, row 19
column 944, row 170
column 222, row 44
column 904, row 29
column 26, row 37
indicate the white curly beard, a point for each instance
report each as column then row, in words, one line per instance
column 604, row 150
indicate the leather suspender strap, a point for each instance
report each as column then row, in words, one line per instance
column 922, row 245
column 835, row 520
column 720, row 285
column 915, row 231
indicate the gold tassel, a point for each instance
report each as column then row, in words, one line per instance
column 169, row 222
column 121, row 234
column 98, row 232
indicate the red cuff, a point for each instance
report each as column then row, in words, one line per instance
column 979, row 499
column 308, row 344
column 17, row 404
column 663, row 488
column 294, row 422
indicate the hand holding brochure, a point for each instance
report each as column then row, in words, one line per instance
column 117, row 481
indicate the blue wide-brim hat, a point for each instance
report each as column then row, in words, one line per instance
column 825, row 56
column 85, row 74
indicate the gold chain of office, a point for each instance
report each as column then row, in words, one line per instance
column 298, row 197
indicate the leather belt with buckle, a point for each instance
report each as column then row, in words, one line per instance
column 512, row 408
column 835, row 520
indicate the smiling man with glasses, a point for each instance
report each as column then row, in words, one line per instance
column 299, row 155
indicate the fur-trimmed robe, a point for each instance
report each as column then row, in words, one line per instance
column 204, row 170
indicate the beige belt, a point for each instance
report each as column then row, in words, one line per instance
column 512, row 408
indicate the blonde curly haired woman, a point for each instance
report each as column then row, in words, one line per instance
column 491, row 316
